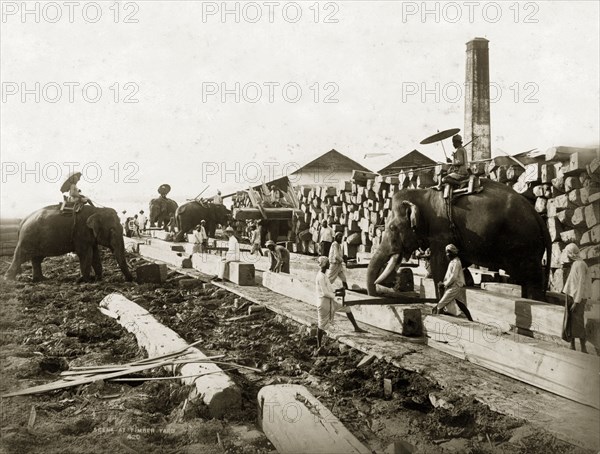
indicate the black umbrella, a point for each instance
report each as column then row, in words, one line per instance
column 73, row 179
column 440, row 135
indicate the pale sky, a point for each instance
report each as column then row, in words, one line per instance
column 544, row 67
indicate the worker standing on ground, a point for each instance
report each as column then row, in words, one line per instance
column 255, row 239
column 280, row 257
column 327, row 304
column 336, row 261
column 200, row 237
column 453, row 282
column 142, row 221
column 232, row 255
column 325, row 238
column 577, row 291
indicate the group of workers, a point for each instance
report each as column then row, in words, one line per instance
column 133, row 225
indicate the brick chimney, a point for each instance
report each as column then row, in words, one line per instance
column 477, row 100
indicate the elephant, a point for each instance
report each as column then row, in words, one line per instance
column 48, row 232
column 496, row 228
column 189, row 215
column 161, row 210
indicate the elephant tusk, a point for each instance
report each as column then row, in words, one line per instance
column 388, row 269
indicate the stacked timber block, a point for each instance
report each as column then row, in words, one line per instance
column 570, row 186
column 239, row 273
column 357, row 208
column 9, row 229
column 178, row 259
column 401, row 319
column 153, row 273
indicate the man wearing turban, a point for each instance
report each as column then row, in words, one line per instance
column 577, row 290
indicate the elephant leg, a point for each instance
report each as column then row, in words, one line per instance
column 15, row 266
column 85, row 265
column 438, row 267
column 36, row 263
column 97, row 263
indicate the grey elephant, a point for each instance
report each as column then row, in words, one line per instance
column 48, row 232
column 190, row 214
column 496, row 228
column 161, row 211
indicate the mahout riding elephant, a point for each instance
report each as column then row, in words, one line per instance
column 161, row 210
column 48, row 232
column 189, row 215
column 496, row 228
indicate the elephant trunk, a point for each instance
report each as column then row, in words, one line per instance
column 118, row 248
column 377, row 262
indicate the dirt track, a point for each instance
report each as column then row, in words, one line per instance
column 48, row 326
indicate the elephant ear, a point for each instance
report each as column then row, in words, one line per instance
column 94, row 222
column 412, row 213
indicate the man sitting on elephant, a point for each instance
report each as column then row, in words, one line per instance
column 460, row 167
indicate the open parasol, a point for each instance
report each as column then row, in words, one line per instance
column 164, row 189
column 72, row 179
column 440, row 135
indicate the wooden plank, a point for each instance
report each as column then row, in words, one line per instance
column 567, row 373
column 502, row 288
column 295, row 421
column 592, row 215
column 563, row 153
column 171, row 257
column 505, row 311
column 216, row 389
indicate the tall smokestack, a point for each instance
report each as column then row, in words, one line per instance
column 477, row 100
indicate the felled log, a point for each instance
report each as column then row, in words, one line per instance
column 563, row 153
column 592, row 215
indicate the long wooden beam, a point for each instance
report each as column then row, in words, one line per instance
column 564, row 372
column 295, row 421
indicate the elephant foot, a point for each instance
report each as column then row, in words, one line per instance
column 128, row 277
column 84, row 279
column 39, row 278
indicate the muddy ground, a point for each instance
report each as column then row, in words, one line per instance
column 47, row 327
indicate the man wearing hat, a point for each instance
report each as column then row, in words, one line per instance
column 453, row 282
column 327, row 303
column 232, row 255
column 200, row 237
column 577, row 291
column 336, row 260
column 459, row 169
column 123, row 218
column 280, row 257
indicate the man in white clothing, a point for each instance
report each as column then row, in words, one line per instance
column 577, row 290
column 232, row 255
column 453, row 282
column 200, row 237
column 142, row 221
column 325, row 238
column 336, row 261
column 327, row 303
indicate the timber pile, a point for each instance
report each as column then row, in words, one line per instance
column 9, row 229
column 568, row 196
column 358, row 208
